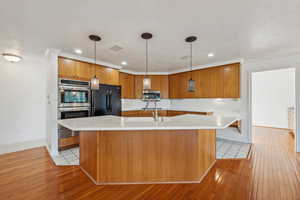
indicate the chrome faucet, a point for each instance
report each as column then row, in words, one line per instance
column 155, row 112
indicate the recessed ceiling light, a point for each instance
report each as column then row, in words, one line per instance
column 78, row 51
column 210, row 55
column 124, row 63
column 13, row 58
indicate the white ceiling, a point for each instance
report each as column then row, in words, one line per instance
column 231, row 29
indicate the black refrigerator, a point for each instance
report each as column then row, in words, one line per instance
column 106, row 100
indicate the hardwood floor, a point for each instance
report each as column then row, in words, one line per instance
column 272, row 172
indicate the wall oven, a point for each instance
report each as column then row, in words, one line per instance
column 73, row 93
column 68, row 113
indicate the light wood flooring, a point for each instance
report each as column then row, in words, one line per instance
column 272, row 172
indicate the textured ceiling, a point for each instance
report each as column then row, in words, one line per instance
column 231, row 29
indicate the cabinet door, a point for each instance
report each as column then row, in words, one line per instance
column 174, row 86
column 107, row 75
column 164, row 87
column 127, row 85
column 66, row 68
column 231, row 82
column 183, row 87
column 85, row 71
column 138, row 85
column 209, row 83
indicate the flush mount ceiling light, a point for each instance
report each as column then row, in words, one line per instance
column 95, row 81
column 124, row 63
column 191, row 83
column 210, row 55
column 13, row 58
column 146, row 80
column 78, row 51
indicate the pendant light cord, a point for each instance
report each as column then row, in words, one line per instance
column 95, row 53
column 191, row 60
column 146, row 58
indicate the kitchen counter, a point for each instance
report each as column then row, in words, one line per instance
column 138, row 150
column 186, row 122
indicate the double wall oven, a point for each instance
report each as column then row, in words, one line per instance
column 73, row 102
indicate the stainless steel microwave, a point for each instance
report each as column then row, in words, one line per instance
column 150, row 95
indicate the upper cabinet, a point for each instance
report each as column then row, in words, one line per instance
column 107, row 75
column 231, row 76
column 73, row 69
column 158, row 83
column 215, row 82
column 127, row 86
column 67, row 68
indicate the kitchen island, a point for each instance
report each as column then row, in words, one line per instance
column 139, row 150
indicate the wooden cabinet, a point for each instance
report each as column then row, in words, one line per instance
column 163, row 113
column 127, row 86
column 231, row 80
column 67, row 68
column 174, row 86
column 215, row 82
column 158, row 83
column 130, row 113
column 65, row 143
column 138, row 86
column 78, row 70
column 107, row 75
column 85, row 71
column 178, row 85
column 209, row 83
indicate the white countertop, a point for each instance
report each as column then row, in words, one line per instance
column 181, row 122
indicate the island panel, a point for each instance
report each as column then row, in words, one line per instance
column 147, row 156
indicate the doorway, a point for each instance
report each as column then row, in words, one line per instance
column 273, row 103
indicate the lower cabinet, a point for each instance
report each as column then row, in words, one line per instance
column 65, row 143
column 164, row 113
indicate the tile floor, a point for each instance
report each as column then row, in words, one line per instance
column 67, row 157
column 225, row 150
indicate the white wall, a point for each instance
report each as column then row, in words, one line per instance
column 272, row 93
column 22, row 103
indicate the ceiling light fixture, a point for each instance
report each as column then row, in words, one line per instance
column 191, row 83
column 146, row 80
column 95, row 81
column 210, row 55
column 13, row 58
column 123, row 63
column 78, row 51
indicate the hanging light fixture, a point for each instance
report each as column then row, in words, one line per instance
column 95, row 81
column 146, row 80
column 191, row 83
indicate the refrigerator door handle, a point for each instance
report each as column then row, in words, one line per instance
column 110, row 103
column 106, row 102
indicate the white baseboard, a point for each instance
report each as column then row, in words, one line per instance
column 9, row 148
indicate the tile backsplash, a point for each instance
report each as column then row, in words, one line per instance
column 218, row 106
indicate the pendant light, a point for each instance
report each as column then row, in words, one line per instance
column 191, row 83
column 146, row 80
column 95, row 81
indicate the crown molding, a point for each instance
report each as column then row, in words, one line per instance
column 89, row 60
